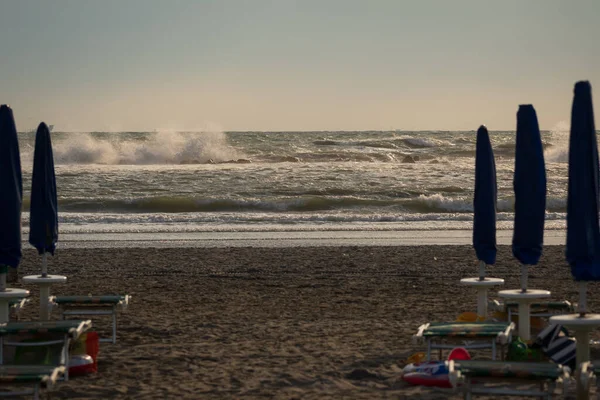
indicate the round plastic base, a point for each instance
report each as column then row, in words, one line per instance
column 575, row 320
column 487, row 282
column 11, row 294
column 482, row 287
column 530, row 294
column 47, row 280
column 44, row 282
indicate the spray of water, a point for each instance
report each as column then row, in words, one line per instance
column 559, row 138
column 162, row 147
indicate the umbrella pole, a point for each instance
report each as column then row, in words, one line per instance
column 44, row 289
column 44, row 265
column 582, row 298
column 3, row 272
column 481, row 270
column 4, row 304
column 524, row 277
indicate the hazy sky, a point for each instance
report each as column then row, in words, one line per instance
column 295, row 65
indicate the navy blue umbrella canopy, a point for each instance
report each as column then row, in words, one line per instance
column 43, row 233
column 11, row 190
column 484, row 203
column 583, row 234
column 530, row 188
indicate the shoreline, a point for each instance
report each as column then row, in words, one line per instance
column 274, row 239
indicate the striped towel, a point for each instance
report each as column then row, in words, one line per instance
column 557, row 345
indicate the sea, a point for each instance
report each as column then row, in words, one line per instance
column 211, row 181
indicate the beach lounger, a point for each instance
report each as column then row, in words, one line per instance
column 472, row 335
column 92, row 305
column 37, row 335
column 541, row 309
column 470, row 377
column 34, row 378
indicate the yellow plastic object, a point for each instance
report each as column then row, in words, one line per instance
column 538, row 323
column 500, row 316
column 469, row 317
column 415, row 358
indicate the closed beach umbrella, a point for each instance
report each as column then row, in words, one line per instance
column 530, row 191
column 484, row 203
column 11, row 193
column 583, row 234
column 43, row 233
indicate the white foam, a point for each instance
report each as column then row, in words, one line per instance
column 559, row 137
column 165, row 147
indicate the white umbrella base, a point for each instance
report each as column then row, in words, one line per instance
column 482, row 287
column 44, row 283
column 524, row 299
column 582, row 326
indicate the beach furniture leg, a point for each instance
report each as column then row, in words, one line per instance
column 114, row 325
column 65, row 355
column 428, row 349
column 550, row 390
column 468, row 395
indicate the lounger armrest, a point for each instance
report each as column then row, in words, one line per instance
column 50, row 380
column 495, row 305
column 565, row 380
column 506, row 336
column 454, row 376
column 125, row 302
column 418, row 337
column 586, row 375
column 83, row 326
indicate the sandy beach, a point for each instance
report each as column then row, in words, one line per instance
column 318, row 322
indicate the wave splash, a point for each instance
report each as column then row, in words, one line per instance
column 559, row 150
column 156, row 148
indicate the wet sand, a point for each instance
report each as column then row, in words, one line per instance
column 295, row 322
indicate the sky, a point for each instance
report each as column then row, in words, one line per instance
column 136, row 65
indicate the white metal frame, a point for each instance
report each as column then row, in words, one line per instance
column 463, row 383
column 85, row 309
column 47, row 382
column 73, row 334
column 438, row 342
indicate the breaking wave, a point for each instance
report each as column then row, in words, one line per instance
column 165, row 204
column 152, row 148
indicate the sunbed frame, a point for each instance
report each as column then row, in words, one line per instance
column 546, row 375
column 481, row 335
column 90, row 306
column 34, row 377
column 70, row 330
